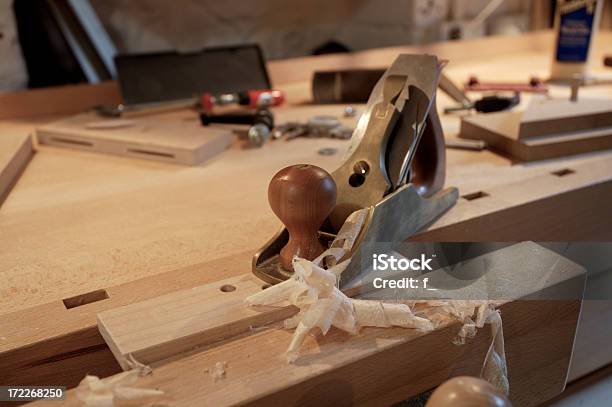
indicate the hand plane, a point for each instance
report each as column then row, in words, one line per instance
column 396, row 169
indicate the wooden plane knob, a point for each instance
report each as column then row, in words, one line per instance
column 465, row 391
column 302, row 196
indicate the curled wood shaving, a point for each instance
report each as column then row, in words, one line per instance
column 143, row 370
column 494, row 368
column 322, row 305
column 313, row 289
column 474, row 315
column 95, row 392
column 381, row 314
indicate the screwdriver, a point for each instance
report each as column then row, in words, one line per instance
column 489, row 104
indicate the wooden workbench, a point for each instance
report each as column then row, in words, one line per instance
column 78, row 222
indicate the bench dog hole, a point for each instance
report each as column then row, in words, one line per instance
column 148, row 152
column 475, row 195
column 71, row 141
column 86, row 298
column 227, row 288
column 563, row 172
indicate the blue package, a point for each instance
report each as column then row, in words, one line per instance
column 575, row 30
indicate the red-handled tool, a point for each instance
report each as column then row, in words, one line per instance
column 252, row 98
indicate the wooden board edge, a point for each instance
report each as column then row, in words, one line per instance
column 108, row 339
column 537, row 368
column 579, row 219
column 116, row 148
column 214, row 147
column 67, row 99
column 241, row 285
column 586, row 122
column 121, row 326
column 523, row 152
column 15, row 167
column 218, row 142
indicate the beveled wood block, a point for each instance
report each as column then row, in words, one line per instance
column 173, row 137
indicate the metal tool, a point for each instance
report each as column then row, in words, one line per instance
column 258, row 134
column 261, row 122
column 122, row 110
column 349, row 111
column 263, row 116
column 256, row 99
column 396, row 168
column 466, row 144
column 252, row 98
column 355, row 86
column 318, row 126
column 447, row 85
column 489, row 104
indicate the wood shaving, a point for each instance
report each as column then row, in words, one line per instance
column 494, row 368
column 95, row 392
column 143, row 370
column 474, row 315
column 313, row 288
column 381, row 314
column 218, row 372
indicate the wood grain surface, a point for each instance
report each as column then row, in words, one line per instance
column 377, row 367
column 176, row 137
column 174, row 324
column 79, row 222
column 545, row 128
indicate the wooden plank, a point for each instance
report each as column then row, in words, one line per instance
column 539, row 149
column 173, row 324
column 55, row 100
column 174, row 137
column 254, row 366
column 555, row 209
column 165, row 326
column 503, row 131
column 126, row 208
column 549, row 117
column 350, row 374
column 16, row 150
column 564, row 204
column 64, row 348
column 139, row 218
column 376, row 367
column 302, row 69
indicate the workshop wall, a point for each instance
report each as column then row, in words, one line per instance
column 282, row 30
column 286, row 29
